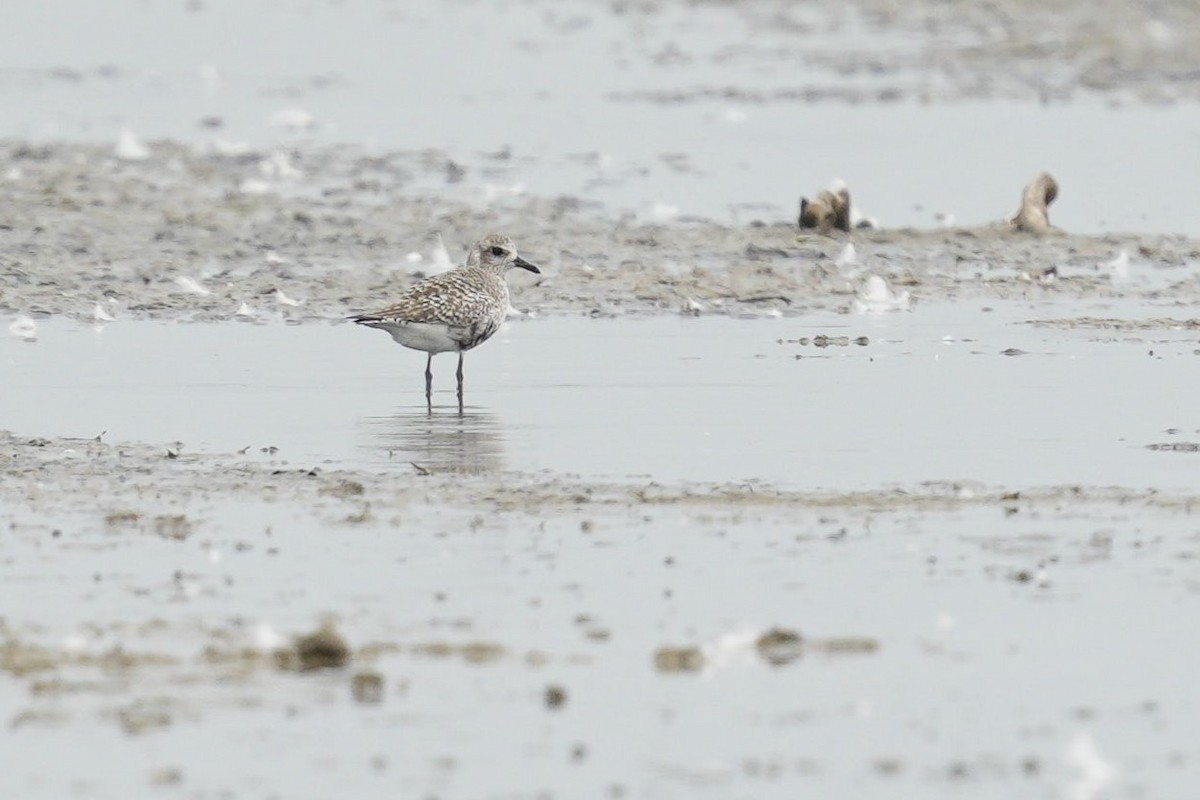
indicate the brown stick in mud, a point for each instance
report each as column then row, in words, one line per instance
column 1032, row 216
column 827, row 211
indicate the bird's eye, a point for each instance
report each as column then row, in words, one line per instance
column 497, row 251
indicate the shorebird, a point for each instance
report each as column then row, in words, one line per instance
column 453, row 311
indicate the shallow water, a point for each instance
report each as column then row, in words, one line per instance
column 932, row 396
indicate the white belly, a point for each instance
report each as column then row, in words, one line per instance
column 429, row 337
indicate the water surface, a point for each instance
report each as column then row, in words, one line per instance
column 953, row 393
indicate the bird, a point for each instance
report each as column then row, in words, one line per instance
column 456, row 310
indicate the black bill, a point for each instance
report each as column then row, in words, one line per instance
column 523, row 264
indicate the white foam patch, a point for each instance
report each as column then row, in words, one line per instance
column 847, row 257
column 1118, row 267
column 278, row 166
column 491, row 191
column 24, row 327
column 876, row 297
column 74, row 643
column 225, row 147
column 663, row 212
column 254, row 186
column 192, row 285
column 130, row 148
column 729, row 649
column 264, row 637
column 1092, row 772
column 294, row 118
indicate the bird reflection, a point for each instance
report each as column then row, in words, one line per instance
column 437, row 439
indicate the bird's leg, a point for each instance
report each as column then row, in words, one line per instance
column 460, row 382
column 429, row 380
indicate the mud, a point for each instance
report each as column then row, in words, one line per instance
column 496, row 605
column 523, row 583
column 121, row 473
column 172, row 237
column 880, row 51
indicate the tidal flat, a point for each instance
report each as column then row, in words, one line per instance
column 731, row 509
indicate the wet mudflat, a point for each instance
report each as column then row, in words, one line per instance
column 730, row 511
column 868, row 534
column 516, row 630
column 654, row 108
